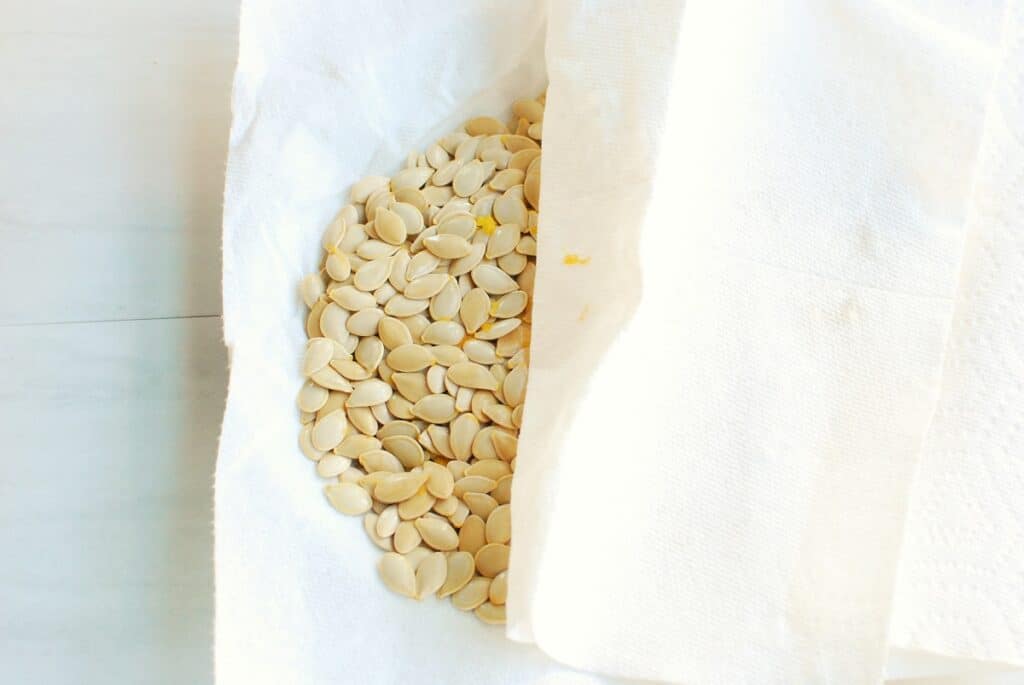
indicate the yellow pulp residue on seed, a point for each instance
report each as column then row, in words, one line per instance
column 487, row 326
column 486, row 224
column 533, row 231
column 494, row 309
column 571, row 259
column 331, row 249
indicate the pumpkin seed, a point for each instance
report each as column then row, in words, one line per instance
column 399, row 487
column 461, row 567
column 438, row 534
column 490, row 613
column 431, row 574
column 435, row 408
column 480, row 503
column 417, row 505
column 446, row 246
column 472, row 535
column 362, row 419
column 492, row 279
column 499, row 525
column 472, row 595
column 406, row 537
column 484, row 126
column 348, row 498
column 397, row 574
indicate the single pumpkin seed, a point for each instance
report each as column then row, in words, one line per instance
column 431, row 574
column 438, row 534
column 397, row 574
column 472, row 595
column 471, row 375
column 402, row 307
column 409, row 358
column 406, row 537
column 499, row 525
column 492, row 279
column 490, row 613
column 435, row 408
column 399, row 487
column 446, row 246
column 362, row 419
column 480, row 503
column 417, row 505
column 472, row 535
column 348, row 498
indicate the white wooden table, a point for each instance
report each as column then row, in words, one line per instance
column 113, row 133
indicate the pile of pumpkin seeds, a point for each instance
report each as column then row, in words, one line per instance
column 418, row 355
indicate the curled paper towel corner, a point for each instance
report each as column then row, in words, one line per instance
column 771, row 433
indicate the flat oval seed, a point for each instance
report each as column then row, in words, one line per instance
column 369, row 393
column 489, row 468
column 417, row 505
column 364, row 322
column 354, row 445
column 372, row 275
column 332, row 322
column 505, row 445
column 387, row 522
column 470, row 375
column 306, row 443
column 472, row 535
column 446, row 355
column 523, row 159
column 370, row 352
column 421, row 264
column 510, row 208
column 399, row 487
column 443, row 333
column 350, row 298
column 473, row 484
column 406, row 448
column 475, row 309
column 492, row 559
column 416, row 324
column 393, row 333
column 499, row 525
column 498, row 329
column 362, row 419
column 439, row 438
column 463, row 265
column 425, row 287
column 510, row 305
column 491, row 614
column 412, row 386
column 440, row 482
column 438, row 533
column 446, row 246
column 329, row 431
column 313, row 329
column 493, row 280
column 399, row 407
column 397, row 574
column 431, row 574
column 462, row 225
column 312, row 288
column 445, row 305
column 409, row 358
column 406, row 537
column 463, row 431
column 390, row 226
column 312, row 397
column 348, row 498
column 498, row 592
column 461, row 567
column 506, row 178
column 414, row 177
column 514, row 386
column 484, row 126
column 472, row 595
column 338, row 266
column 435, row 408
column 394, row 428
column 512, row 263
column 370, row 526
column 500, row 415
column 435, row 380
column 502, row 241
column 470, row 177
column 480, row 504
column 402, row 307
column 380, row 460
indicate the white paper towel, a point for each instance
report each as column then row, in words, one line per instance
column 727, row 405
column 325, row 92
column 772, row 305
column 961, row 583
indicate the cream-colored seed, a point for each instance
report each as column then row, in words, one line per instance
column 401, row 306
column 439, row 438
column 329, row 431
column 348, row 498
column 397, row 574
column 306, row 443
column 332, row 466
column 440, row 482
column 312, row 396
column 407, row 450
column 472, row 535
column 393, row 333
column 471, row 375
column 459, row 517
column 435, row 408
column 499, row 525
column 417, row 555
column 479, row 503
column 406, row 537
column 369, row 393
column 472, row 595
column 395, row 428
column 493, row 280
column 370, row 526
column 387, row 522
column 492, row 559
column 438, row 534
column 490, row 613
column 498, row 592
column 461, row 567
column 417, row 505
column 312, row 288
column 409, row 358
column 431, row 574
column 494, row 469
column 354, row 445
column 399, row 487
column 446, row 246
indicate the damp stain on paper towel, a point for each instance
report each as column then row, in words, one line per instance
column 584, row 312
column 572, row 259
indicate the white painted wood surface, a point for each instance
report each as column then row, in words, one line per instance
column 113, row 132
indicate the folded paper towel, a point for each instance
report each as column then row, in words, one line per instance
column 715, row 488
